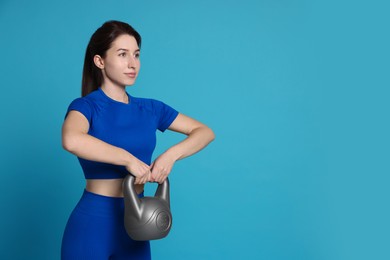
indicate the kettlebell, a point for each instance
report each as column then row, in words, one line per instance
column 146, row 218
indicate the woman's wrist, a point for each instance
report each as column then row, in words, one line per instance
column 127, row 158
column 173, row 153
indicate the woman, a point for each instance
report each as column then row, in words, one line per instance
column 113, row 134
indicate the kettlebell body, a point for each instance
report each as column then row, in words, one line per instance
column 146, row 218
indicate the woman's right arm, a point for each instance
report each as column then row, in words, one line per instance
column 76, row 140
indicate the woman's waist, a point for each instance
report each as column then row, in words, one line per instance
column 109, row 187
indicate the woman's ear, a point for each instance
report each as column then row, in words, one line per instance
column 99, row 62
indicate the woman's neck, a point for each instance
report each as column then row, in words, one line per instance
column 116, row 93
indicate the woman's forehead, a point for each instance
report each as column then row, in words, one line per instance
column 125, row 41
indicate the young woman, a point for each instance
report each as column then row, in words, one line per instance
column 113, row 134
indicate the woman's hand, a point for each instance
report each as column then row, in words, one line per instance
column 162, row 167
column 139, row 169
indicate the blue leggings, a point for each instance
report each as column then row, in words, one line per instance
column 95, row 230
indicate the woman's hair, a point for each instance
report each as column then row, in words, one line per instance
column 99, row 43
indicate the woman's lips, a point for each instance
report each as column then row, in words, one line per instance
column 131, row 75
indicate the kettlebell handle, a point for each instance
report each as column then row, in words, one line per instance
column 129, row 191
column 163, row 191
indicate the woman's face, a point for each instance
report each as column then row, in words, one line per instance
column 121, row 64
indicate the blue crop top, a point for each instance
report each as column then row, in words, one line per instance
column 129, row 126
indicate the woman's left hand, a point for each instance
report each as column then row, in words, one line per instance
column 161, row 168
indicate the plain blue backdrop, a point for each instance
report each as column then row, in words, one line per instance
column 297, row 93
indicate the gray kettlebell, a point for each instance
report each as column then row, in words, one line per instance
column 146, row 218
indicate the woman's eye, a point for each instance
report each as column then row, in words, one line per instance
column 123, row 54
column 136, row 55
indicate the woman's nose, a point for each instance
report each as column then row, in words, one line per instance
column 132, row 63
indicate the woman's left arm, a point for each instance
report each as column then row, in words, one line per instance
column 198, row 137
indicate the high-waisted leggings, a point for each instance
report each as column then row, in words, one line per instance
column 95, row 230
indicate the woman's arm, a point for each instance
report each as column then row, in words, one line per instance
column 75, row 139
column 198, row 137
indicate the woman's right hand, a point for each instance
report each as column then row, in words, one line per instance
column 139, row 169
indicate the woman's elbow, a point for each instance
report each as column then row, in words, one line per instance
column 69, row 143
column 210, row 134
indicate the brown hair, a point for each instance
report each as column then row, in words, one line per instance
column 99, row 43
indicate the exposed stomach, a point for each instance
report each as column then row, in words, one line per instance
column 109, row 187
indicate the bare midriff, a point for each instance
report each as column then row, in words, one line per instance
column 109, row 187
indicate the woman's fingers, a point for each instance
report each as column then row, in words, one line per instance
column 140, row 170
column 143, row 175
column 162, row 178
column 160, row 170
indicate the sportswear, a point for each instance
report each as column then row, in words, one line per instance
column 95, row 231
column 129, row 126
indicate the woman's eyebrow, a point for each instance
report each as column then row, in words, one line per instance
column 122, row 49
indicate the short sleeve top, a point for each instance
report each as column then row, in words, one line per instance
column 129, row 126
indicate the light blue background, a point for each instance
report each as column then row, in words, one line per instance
column 297, row 93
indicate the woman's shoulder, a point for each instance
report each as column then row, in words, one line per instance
column 90, row 98
column 89, row 102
